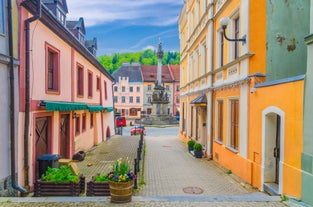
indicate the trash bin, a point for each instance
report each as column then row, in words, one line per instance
column 47, row 160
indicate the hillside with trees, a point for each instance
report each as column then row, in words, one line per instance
column 147, row 57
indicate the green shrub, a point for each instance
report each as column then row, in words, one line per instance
column 60, row 175
column 197, row 147
column 191, row 143
column 102, row 178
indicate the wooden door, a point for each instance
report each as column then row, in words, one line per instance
column 42, row 142
column 64, row 136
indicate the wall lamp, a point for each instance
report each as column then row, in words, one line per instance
column 224, row 22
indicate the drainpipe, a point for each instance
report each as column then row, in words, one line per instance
column 12, row 100
column 212, row 101
column 27, row 94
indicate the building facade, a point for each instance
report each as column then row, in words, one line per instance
column 128, row 90
column 66, row 97
column 9, row 89
column 231, row 77
column 307, row 153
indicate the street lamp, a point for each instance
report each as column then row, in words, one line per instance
column 224, row 22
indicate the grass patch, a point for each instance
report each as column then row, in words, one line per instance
column 284, row 198
column 228, row 172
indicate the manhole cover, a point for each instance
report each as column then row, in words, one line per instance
column 193, row 190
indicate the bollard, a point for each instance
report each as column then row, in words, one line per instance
column 135, row 166
column 138, row 154
column 135, row 184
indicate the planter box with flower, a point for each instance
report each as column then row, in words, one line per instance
column 190, row 144
column 121, row 181
column 59, row 182
column 197, row 148
column 98, row 186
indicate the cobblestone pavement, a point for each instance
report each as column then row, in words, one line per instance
column 100, row 158
column 169, row 170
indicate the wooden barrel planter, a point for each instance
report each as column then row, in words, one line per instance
column 121, row 192
column 98, row 188
column 44, row 188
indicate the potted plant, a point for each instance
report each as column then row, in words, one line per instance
column 59, row 182
column 121, row 181
column 197, row 148
column 98, row 186
column 190, row 144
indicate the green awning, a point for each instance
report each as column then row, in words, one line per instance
column 109, row 109
column 63, row 106
column 95, row 108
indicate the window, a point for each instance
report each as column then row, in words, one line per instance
column 80, row 80
column 98, row 83
column 197, row 12
column 123, row 99
column 138, row 99
column 115, row 88
column 60, row 16
column 90, row 84
column 203, row 6
column 105, row 90
column 52, row 69
column 234, row 118
column 2, row 17
column 115, row 99
column 177, row 99
column 149, row 99
column 77, row 125
column 149, row 110
column 123, row 88
column 149, row 87
column 138, row 89
column 131, row 99
column 91, row 120
column 236, row 48
column 177, row 87
column 167, row 87
column 220, row 120
column 131, row 89
column 221, row 49
column 84, row 122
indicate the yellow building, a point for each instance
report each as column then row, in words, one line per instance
column 240, row 66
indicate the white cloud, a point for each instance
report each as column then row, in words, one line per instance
column 138, row 12
column 149, row 47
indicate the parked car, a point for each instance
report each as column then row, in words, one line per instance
column 120, row 121
column 138, row 130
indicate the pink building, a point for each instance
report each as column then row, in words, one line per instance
column 175, row 73
column 66, row 98
column 128, row 90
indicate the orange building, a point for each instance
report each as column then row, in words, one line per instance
column 242, row 87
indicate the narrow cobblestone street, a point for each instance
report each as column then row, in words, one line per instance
column 173, row 177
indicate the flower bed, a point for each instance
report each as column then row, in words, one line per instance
column 98, row 188
column 59, row 182
column 46, row 188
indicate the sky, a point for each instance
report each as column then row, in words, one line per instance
column 129, row 25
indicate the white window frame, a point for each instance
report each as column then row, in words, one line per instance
column 218, row 48
column 228, row 135
column 216, row 119
column 231, row 33
column 2, row 17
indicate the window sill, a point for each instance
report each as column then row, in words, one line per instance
column 218, row 141
column 232, row 149
column 53, row 92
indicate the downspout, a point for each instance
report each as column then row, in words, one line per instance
column 12, row 100
column 212, row 57
column 113, row 83
column 27, row 94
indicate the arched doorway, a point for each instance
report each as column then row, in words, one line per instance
column 272, row 150
column 108, row 133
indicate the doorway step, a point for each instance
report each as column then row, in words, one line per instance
column 271, row 188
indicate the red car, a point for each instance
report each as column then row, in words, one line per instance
column 120, row 121
column 138, row 130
